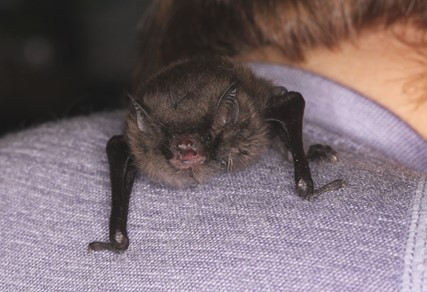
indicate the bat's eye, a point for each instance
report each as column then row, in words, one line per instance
column 244, row 152
column 208, row 137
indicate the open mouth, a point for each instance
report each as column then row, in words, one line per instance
column 181, row 163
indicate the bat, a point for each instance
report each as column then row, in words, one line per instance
column 199, row 118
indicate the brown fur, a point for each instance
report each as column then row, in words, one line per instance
column 182, row 99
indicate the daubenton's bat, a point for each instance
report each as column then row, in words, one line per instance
column 199, row 118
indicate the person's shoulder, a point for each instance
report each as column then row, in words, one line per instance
column 65, row 133
column 56, row 198
column 57, row 147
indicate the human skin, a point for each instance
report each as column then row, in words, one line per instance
column 386, row 65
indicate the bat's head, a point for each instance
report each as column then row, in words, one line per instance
column 192, row 121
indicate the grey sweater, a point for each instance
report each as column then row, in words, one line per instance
column 241, row 231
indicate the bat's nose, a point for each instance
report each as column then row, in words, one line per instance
column 188, row 153
column 185, row 144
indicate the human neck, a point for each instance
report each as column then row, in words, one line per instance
column 376, row 64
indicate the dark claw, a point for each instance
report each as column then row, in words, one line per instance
column 319, row 152
column 278, row 91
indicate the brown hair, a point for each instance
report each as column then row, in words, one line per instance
column 173, row 30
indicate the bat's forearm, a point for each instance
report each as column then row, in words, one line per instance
column 286, row 112
column 122, row 174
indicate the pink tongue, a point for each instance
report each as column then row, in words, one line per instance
column 189, row 155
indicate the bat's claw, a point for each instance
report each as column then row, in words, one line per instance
column 278, row 91
column 319, row 152
column 306, row 190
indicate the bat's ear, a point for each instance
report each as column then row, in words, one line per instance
column 141, row 114
column 227, row 109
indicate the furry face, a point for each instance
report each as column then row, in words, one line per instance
column 189, row 122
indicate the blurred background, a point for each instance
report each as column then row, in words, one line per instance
column 61, row 58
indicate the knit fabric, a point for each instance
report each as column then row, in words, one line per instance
column 240, row 231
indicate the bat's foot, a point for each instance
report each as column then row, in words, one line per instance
column 332, row 186
column 118, row 243
column 97, row 246
column 319, row 152
column 306, row 190
column 278, row 91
